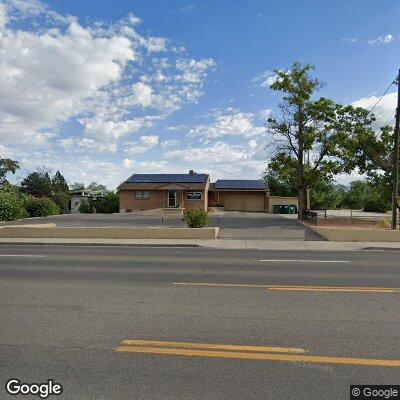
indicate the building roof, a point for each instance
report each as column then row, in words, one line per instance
column 240, row 184
column 167, row 178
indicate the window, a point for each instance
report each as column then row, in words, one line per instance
column 142, row 194
column 194, row 196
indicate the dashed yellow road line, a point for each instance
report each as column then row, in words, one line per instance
column 294, row 358
column 207, row 346
column 308, row 288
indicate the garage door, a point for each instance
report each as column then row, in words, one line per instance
column 233, row 202
column 254, row 202
column 244, row 202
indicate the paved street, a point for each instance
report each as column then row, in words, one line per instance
column 325, row 319
column 233, row 224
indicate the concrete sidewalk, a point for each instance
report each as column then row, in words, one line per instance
column 292, row 245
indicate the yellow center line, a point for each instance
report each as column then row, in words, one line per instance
column 301, row 289
column 262, row 356
column 295, row 288
column 206, row 346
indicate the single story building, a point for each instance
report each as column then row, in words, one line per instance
column 149, row 191
column 78, row 195
column 194, row 191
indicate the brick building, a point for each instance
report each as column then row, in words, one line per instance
column 194, row 191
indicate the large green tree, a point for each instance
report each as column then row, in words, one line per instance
column 313, row 132
column 58, row 183
column 37, row 184
column 281, row 175
column 7, row 165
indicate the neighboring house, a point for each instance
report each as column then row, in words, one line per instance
column 194, row 191
column 77, row 195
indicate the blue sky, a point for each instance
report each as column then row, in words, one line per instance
column 103, row 89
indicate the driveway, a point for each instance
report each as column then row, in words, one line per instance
column 245, row 225
column 232, row 224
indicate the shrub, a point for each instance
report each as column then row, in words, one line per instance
column 377, row 204
column 41, row 207
column 197, row 218
column 384, row 223
column 86, row 207
column 11, row 205
column 108, row 204
column 62, row 200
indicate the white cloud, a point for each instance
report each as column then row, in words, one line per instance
column 86, row 144
column 145, row 143
column 175, row 128
column 194, row 71
column 141, row 96
column 53, row 70
column 265, row 114
column 105, row 130
column 149, row 167
column 234, row 124
column 156, row 44
column 385, row 39
column 266, row 79
column 350, row 40
column 253, row 144
column 219, row 152
column 220, row 160
column 170, row 143
column 3, row 16
column 44, row 78
column 188, row 9
column 383, row 111
column 134, row 20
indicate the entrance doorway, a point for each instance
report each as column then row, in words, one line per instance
column 171, row 198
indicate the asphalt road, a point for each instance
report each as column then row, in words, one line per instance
column 65, row 309
column 232, row 224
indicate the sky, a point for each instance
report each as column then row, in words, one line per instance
column 103, row 89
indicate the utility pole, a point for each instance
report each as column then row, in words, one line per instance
column 396, row 158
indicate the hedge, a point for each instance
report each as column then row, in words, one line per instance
column 11, row 206
column 41, row 207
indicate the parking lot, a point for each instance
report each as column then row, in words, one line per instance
column 232, row 224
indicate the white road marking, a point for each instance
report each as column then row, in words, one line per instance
column 308, row 261
column 22, row 255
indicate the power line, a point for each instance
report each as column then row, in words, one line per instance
column 391, row 116
column 380, row 98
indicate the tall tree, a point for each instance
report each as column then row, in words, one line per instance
column 281, row 176
column 7, row 165
column 37, row 184
column 58, row 183
column 313, row 133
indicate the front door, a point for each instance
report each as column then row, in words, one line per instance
column 171, row 198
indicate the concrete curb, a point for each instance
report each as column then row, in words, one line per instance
column 31, row 232
column 356, row 235
column 267, row 245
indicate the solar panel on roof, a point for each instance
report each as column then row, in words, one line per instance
column 167, row 178
column 240, row 184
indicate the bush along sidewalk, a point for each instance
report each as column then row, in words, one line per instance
column 41, row 207
column 197, row 218
column 11, row 204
